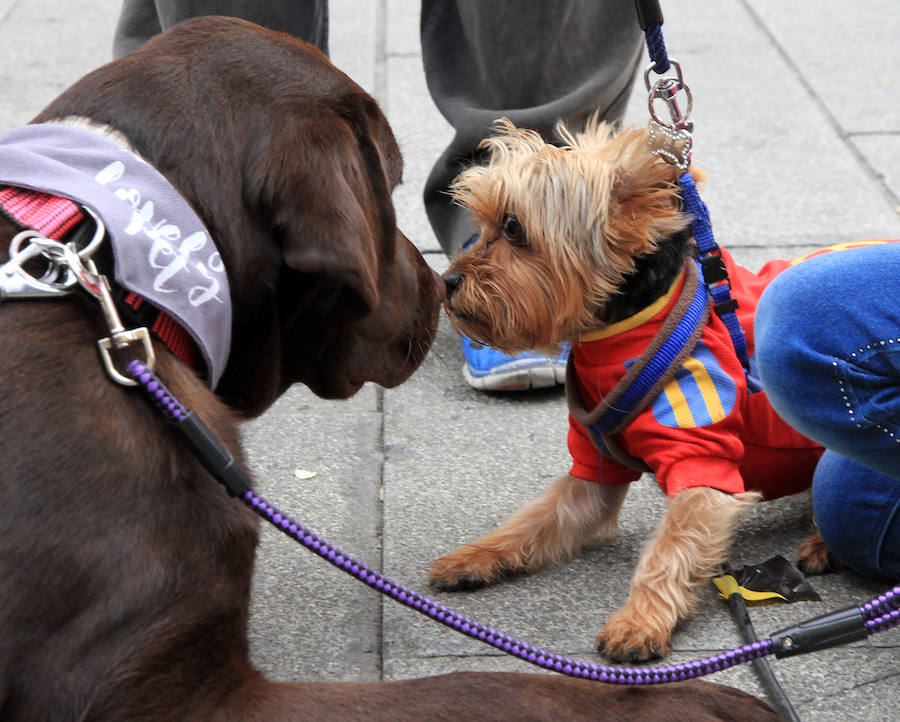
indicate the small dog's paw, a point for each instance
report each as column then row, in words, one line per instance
column 469, row 567
column 813, row 557
column 625, row 640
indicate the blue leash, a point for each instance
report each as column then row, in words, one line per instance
column 678, row 133
column 673, row 142
column 715, row 275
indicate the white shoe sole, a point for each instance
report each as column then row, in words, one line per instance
column 521, row 379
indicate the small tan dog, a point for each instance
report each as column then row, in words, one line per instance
column 588, row 243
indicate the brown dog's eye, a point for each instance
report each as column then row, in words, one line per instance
column 513, row 231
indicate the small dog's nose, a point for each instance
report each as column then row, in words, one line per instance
column 452, row 280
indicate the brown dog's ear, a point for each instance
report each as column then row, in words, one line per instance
column 319, row 195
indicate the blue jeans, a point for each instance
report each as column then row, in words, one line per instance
column 828, row 345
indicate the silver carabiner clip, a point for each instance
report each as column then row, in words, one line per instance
column 17, row 283
column 57, row 280
column 67, row 267
column 667, row 88
column 672, row 141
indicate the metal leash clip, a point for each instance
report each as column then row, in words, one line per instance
column 17, row 283
column 120, row 338
column 672, row 141
column 68, row 267
column 57, row 280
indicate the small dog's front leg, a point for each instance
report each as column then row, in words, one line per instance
column 549, row 530
column 691, row 541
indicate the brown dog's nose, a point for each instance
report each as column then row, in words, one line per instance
column 452, row 280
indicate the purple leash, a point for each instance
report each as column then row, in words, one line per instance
column 842, row 627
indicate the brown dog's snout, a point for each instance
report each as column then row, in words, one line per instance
column 439, row 286
column 452, row 281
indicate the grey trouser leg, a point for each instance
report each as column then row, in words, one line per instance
column 533, row 62
column 142, row 19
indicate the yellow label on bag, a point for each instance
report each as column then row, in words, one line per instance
column 727, row 585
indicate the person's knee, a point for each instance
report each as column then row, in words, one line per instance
column 856, row 511
column 833, row 508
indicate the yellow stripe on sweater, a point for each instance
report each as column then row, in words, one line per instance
column 707, row 389
column 675, row 396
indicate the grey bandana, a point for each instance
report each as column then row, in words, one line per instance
column 162, row 251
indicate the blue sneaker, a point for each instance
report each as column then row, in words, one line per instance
column 488, row 369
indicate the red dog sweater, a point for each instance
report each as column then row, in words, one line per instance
column 709, row 426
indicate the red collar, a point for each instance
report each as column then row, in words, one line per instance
column 55, row 217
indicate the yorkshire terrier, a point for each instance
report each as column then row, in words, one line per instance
column 587, row 242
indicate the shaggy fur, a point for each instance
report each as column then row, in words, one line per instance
column 556, row 279
column 574, row 238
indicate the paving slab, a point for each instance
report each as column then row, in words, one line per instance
column 46, row 46
column 847, row 56
column 882, row 152
column 323, row 466
column 356, row 42
column 422, row 134
column 781, row 169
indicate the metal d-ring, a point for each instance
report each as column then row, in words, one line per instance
column 666, row 89
column 15, row 244
column 99, row 235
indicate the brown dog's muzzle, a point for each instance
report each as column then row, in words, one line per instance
column 440, row 283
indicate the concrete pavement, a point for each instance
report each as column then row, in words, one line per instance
column 797, row 121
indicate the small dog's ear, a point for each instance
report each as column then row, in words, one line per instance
column 645, row 207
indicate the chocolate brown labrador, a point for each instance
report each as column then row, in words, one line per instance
column 124, row 567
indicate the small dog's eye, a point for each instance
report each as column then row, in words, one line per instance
column 513, row 231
